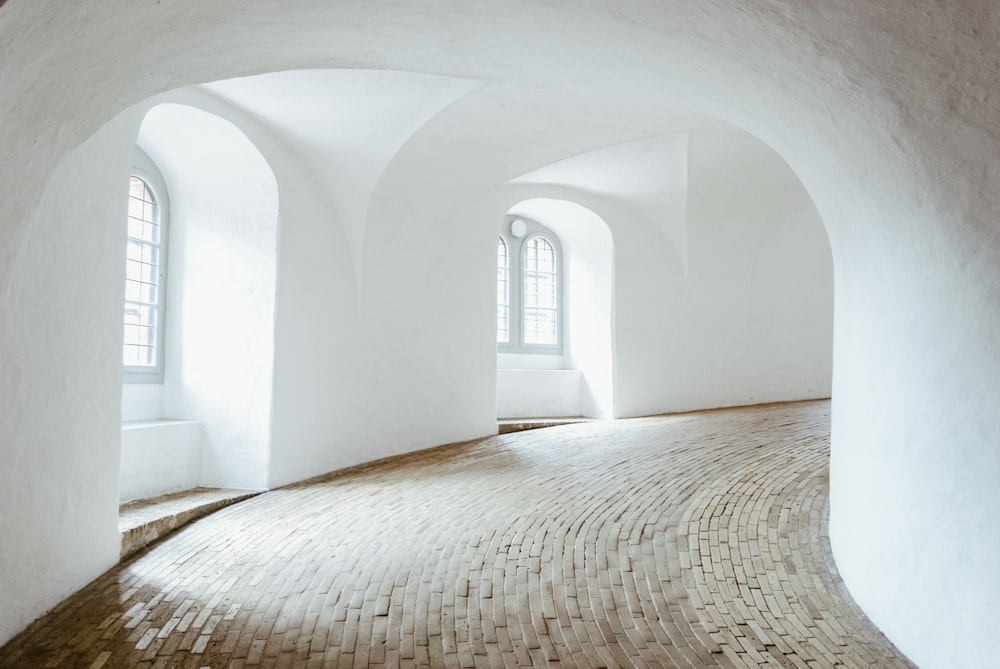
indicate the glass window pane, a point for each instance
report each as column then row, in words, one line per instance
column 142, row 277
column 131, row 356
column 132, row 292
column 503, row 291
column 540, row 293
column 136, row 188
column 148, row 293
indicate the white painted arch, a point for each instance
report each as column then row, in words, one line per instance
column 587, row 295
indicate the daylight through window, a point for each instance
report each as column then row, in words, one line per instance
column 142, row 277
column 529, row 289
column 503, row 292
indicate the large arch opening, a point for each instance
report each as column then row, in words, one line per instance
column 721, row 281
column 207, row 422
column 578, row 380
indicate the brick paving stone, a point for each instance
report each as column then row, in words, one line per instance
column 696, row 540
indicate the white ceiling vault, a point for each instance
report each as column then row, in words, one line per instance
column 347, row 126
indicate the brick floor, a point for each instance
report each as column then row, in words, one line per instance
column 684, row 541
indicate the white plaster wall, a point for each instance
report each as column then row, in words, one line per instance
column 430, row 361
column 317, row 372
column 221, row 288
column 751, row 318
column 536, row 393
column 158, row 457
column 60, row 352
column 429, row 337
column 915, row 465
column 142, row 401
column 529, row 361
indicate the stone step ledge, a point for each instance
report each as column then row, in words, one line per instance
column 144, row 521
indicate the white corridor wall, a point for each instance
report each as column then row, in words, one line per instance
column 62, row 380
column 749, row 317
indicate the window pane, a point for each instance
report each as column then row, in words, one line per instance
column 139, row 356
column 148, row 273
column 139, row 336
column 134, row 250
column 133, row 290
column 142, row 277
column 135, row 207
column 136, row 188
column 503, row 292
column 131, row 356
column 541, row 293
column 133, row 270
column 143, row 219
column 540, row 326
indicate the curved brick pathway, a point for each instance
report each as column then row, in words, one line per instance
column 685, row 541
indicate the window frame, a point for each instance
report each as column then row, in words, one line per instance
column 515, row 281
column 145, row 169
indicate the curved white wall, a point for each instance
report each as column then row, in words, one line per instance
column 914, row 465
column 60, row 334
column 885, row 112
column 745, row 316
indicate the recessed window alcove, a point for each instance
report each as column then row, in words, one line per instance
column 193, row 437
column 567, row 371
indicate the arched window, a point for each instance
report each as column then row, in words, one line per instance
column 540, row 300
column 503, row 292
column 529, row 289
column 142, row 347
